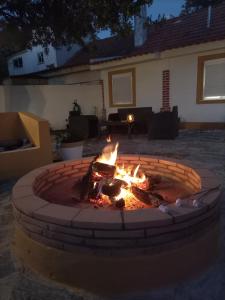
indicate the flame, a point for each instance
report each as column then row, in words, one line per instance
column 108, row 139
column 109, row 154
column 125, row 174
column 130, row 175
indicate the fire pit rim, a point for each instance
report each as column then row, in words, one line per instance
column 27, row 202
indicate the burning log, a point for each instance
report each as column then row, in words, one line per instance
column 112, row 187
column 87, row 183
column 141, row 194
column 118, row 203
column 149, row 198
column 103, row 170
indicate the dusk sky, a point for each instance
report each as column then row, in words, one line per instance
column 167, row 7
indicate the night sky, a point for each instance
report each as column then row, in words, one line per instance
column 167, row 7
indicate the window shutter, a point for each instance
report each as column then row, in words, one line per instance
column 214, row 79
column 122, row 88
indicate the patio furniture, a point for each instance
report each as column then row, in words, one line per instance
column 19, row 127
column 164, row 125
column 83, row 126
column 117, row 122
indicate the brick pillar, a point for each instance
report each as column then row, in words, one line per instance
column 165, row 90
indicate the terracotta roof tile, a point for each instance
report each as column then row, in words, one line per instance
column 175, row 33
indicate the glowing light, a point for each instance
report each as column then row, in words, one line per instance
column 130, row 118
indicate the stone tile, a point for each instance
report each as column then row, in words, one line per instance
column 46, row 241
column 98, row 219
column 29, row 204
column 71, row 231
column 187, row 212
column 29, row 178
column 213, row 197
column 22, row 191
column 111, row 243
column 210, row 182
column 65, row 238
column 129, row 234
column 145, row 218
column 57, row 214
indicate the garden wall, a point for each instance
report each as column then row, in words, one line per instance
column 51, row 102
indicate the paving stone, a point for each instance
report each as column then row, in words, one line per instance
column 204, row 149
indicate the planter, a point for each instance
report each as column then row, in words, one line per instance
column 72, row 150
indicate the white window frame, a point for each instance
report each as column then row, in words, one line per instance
column 203, row 61
column 18, row 62
column 130, row 73
column 40, row 55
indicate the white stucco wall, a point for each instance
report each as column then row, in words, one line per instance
column 85, row 76
column 52, row 102
column 183, row 92
column 30, row 61
column 183, row 84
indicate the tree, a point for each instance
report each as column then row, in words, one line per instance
column 191, row 6
column 63, row 22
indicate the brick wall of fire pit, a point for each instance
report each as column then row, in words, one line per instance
column 114, row 231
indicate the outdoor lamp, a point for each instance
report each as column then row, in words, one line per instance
column 130, row 118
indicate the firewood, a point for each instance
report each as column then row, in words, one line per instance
column 106, row 171
column 112, row 187
column 141, row 195
column 87, row 183
column 147, row 197
column 117, row 203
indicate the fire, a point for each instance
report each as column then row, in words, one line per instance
column 128, row 175
column 108, row 139
column 125, row 174
column 109, row 154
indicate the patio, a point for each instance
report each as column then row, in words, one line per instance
column 203, row 148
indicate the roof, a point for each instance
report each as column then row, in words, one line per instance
column 178, row 32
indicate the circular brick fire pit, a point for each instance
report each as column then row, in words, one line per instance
column 88, row 247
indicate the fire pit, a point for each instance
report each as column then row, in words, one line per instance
column 140, row 220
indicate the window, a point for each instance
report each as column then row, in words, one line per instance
column 122, row 88
column 211, row 79
column 18, row 62
column 40, row 56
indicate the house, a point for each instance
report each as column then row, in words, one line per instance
column 179, row 62
column 39, row 58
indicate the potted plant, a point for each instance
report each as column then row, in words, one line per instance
column 70, row 147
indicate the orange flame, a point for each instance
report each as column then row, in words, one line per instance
column 108, row 139
column 109, row 154
column 130, row 175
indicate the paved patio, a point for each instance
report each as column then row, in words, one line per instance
column 202, row 148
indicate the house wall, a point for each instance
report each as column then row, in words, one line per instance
column 30, row 61
column 85, row 76
column 183, row 84
column 52, row 103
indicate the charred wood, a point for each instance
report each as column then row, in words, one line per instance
column 112, row 187
column 106, row 171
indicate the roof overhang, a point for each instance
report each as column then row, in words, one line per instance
column 176, row 52
column 65, row 71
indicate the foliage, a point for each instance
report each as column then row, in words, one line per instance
column 191, row 6
column 65, row 137
column 161, row 19
column 63, row 22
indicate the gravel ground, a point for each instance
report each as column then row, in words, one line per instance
column 201, row 147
